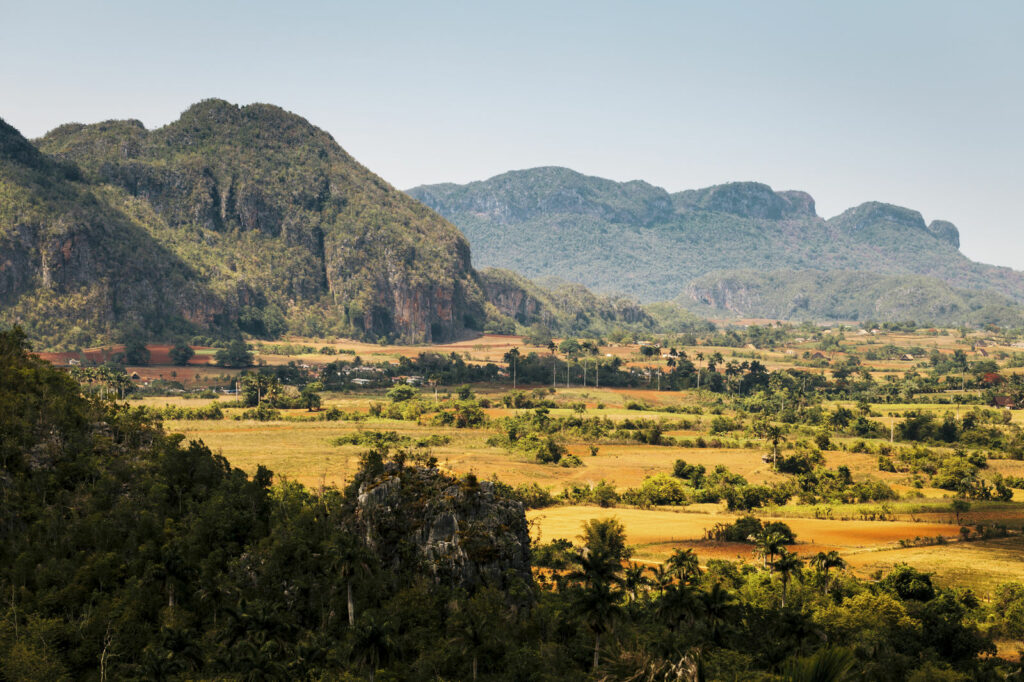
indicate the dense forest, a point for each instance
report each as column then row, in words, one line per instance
column 127, row 553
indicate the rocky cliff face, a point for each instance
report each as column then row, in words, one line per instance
column 461, row 531
column 508, row 294
column 263, row 209
column 746, row 200
column 946, row 231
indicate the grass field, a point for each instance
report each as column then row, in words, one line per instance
column 303, row 451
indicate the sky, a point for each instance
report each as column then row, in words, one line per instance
column 919, row 104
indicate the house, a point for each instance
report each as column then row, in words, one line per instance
column 907, row 356
column 818, row 356
column 74, row 362
column 362, row 382
column 1004, row 401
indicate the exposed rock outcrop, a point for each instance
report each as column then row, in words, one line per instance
column 746, row 200
column 946, row 231
column 463, row 532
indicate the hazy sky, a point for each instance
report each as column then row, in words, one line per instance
column 915, row 103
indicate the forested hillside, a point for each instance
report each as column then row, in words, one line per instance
column 229, row 219
column 637, row 240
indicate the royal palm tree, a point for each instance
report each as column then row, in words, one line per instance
column 769, row 544
column 599, row 574
column 684, row 565
column 511, row 357
column 635, row 580
column 373, row 644
column 786, row 565
column 774, row 434
column 718, row 604
column 824, row 561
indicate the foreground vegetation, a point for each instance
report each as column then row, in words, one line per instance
column 128, row 554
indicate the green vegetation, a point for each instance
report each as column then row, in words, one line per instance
column 230, row 219
column 874, row 261
column 127, row 554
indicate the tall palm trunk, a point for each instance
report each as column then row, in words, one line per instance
column 351, row 606
column 597, row 650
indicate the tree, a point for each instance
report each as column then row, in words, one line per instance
column 475, row 624
column 310, row 395
column 786, row 565
column 600, row 562
column 960, row 506
column 684, row 565
column 401, row 393
column 135, row 352
column 181, row 353
column 773, row 433
column 830, row 664
column 824, row 561
column 374, row 644
column 635, row 580
column 511, row 357
column 258, row 386
column 769, row 543
column 236, row 355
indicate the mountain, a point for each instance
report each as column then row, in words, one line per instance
column 638, row 240
column 568, row 309
column 229, row 219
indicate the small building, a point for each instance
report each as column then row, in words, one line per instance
column 1004, row 401
column 362, row 382
column 984, row 353
column 908, row 357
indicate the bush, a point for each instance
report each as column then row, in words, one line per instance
column 260, row 413
column 747, row 527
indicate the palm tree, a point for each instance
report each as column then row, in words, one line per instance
column 662, row 578
column 769, row 543
column 831, row 664
column 787, row 564
column 684, row 565
column 600, row 563
column 554, row 363
column 700, row 358
column 353, row 566
column 472, row 632
column 373, row 644
column 635, row 579
column 718, row 603
column 510, row 357
column 596, row 604
column 824, row 561
column 715, row 360
column 774, row 434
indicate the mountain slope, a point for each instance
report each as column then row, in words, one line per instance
column 266, row 214
column 638, row 240
column 74, row 268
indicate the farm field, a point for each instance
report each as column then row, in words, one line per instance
column 300, row 447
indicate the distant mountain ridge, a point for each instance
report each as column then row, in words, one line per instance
column 638, row 240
